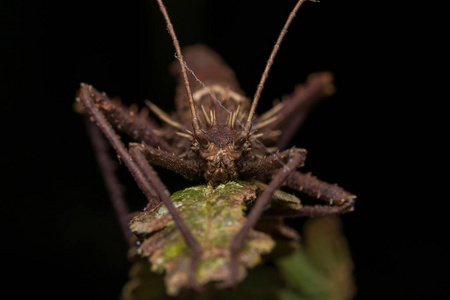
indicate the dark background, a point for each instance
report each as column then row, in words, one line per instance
column 60, row 238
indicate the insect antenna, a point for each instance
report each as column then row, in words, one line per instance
column 248, row 124
column 195, row 121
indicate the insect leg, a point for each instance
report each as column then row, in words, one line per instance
column 189, row 169
column 135, row 124
column 138, row 156
column 313, row 211
column 297, row 106
column 257, row 210
column 143, row 173
column 314, row 187
column 107, row 169
column 271, row 162
column 87, row 99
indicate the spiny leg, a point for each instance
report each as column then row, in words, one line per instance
column 324, row 210
column 86, row 97
column 108, row 168
column 137, row 152
column 256, row 212
column 296, row 107
column 189, row 169
column 313, row 211
column 339, row 200
column 319, row 189
column 135, row 124
column 272, row 162
column 141, row 129
column 142, row 172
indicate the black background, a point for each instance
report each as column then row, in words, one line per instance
column 60, row 238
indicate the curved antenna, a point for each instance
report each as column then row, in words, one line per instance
column 244, row 134
column 195, row 121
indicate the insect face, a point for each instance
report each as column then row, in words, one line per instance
column 221, row 153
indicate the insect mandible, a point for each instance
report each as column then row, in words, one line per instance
column 214, row 136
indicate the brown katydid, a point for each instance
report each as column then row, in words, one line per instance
column 215, row 136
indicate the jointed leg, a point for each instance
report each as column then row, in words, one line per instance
column 257, row 210
column 339, row 200
column 324, row 210
column 136, row 151
column 314, row 187
column 272, row 162
column 158, row 157
column 313, row 211
column 86, row 97
column 141, row 171
column 297, row 106
column 135, row 124
column 107, row 168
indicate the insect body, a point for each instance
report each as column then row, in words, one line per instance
column 215, row 136
column 220, row 153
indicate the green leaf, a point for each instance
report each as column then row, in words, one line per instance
column 214, row 216
column 322, row 268
column 319, row 269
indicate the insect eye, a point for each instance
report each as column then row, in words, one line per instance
column 195, row 146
